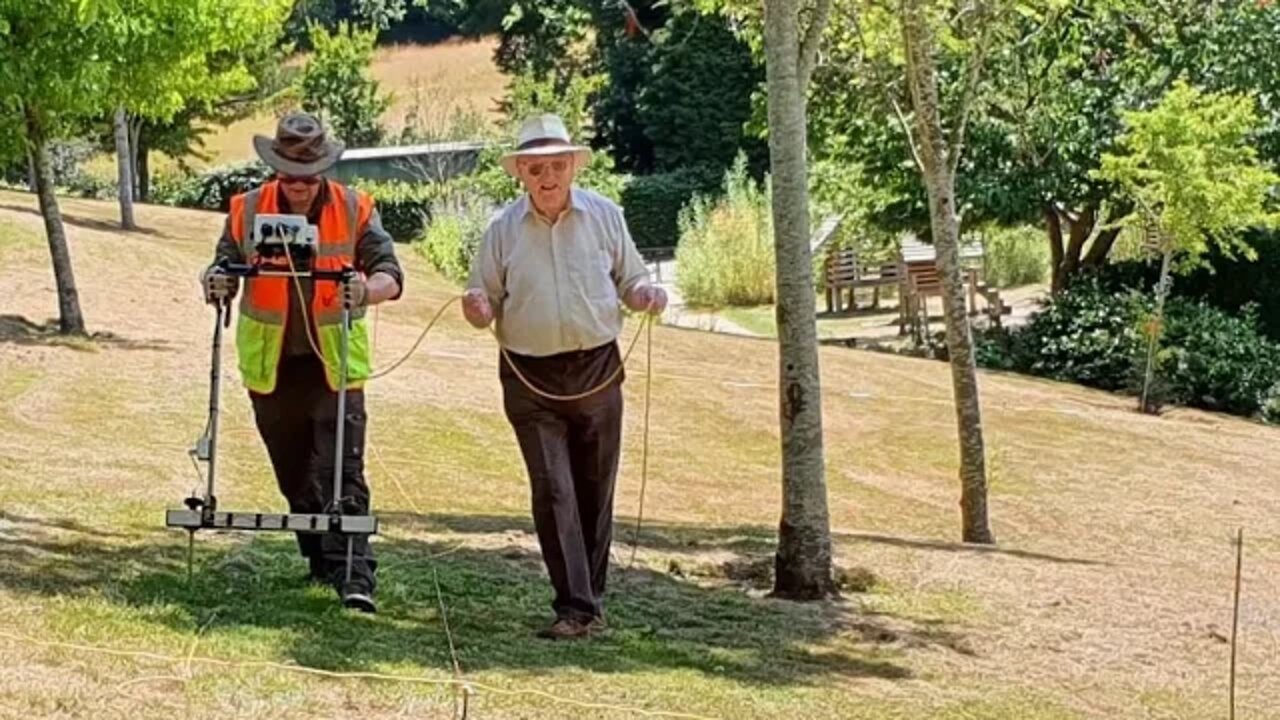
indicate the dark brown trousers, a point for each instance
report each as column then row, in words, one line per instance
column 298, row 423
column 570, row 450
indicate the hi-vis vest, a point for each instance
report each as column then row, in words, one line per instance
column 264, row 305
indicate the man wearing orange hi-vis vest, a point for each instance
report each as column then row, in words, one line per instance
column 289, row 337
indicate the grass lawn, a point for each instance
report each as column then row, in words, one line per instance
column 1108, row 596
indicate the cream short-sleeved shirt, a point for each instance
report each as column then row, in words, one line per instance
column 556, row 286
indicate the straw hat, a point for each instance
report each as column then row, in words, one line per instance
column 544, row 135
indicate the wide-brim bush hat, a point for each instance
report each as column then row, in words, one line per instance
column 301, row 146
column 543, row 135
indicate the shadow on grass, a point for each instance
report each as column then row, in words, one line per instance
column 496, row 599
column 754, row 539
column 78, row 221
column 18, row 330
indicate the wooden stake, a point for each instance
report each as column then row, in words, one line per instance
column 1235, row 618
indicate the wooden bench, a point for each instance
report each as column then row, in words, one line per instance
column 656, row 256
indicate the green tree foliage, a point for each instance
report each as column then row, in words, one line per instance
column 677, row 83
column 336, row 84
column 698, row 97
column 1194, row 182
column 1189, row 168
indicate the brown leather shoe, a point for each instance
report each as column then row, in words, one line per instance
column 565, row 629
column 597, row 626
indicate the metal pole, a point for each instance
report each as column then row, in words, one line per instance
column 342, row 425
column 215, row 385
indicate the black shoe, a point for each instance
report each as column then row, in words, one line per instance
column 356, row 597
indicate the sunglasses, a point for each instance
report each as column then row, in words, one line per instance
column 537, row 168
column 309, row 180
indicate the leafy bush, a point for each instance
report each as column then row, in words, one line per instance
column 1088, row 335
column 653, row 203
column 1093, row 335
column 1271, row 405
column 92, row 186
column 405, row 208
column 1231, row 284
column 725, row 255
column 1015, row 256
column 1216, row 361
column 451, row 240
column 212, row 189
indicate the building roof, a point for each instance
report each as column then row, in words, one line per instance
column 412, row 150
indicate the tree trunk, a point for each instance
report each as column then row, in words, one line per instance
column 1053, row 223
column 142, row 167
column 1145, row 404
column 70, row 321
column 31, row 171
column 124, row 166
column 1079, row 228
column 803, row 562
column 940, row 183
column 1101, row 248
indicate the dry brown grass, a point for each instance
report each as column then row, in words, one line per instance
column 455, row 74
column 1106, row 597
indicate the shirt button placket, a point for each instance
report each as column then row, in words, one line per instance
column 558, row 266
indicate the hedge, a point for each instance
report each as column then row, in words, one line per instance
column 652, row 203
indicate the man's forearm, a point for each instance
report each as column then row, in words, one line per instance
column 381, row 287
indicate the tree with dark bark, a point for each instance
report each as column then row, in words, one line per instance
column 50, row 79
column 803, row 562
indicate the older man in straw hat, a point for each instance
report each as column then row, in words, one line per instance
column 287, row 338
column 551, row 271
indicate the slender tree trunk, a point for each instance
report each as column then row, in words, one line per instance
column 31, row 171
column 142, row 167
column 1053, row 223
column 1101, row 248
column 1079, row 228
column 124, row 166
column 803, row 562
column 70, row 321
column 1156, row 330
column 940, row 182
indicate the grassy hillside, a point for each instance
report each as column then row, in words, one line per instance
column 1108, row 596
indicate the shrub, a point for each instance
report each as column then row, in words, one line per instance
column 337, row 86
column 725, row 255
column 405, row 208
column 212, row 189
column 1092, row 334
column 1089, row 335
column 653, row 203
column 1270, row 405
column 1213, row 360
column 451, row 240
column 1231, row 284
column 1015, row 256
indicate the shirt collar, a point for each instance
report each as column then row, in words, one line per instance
column 576, row 202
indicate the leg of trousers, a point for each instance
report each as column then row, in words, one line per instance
column 284, row 424
column 595, row 438
column 298, row 424
column 355, row 491
column 570, row 451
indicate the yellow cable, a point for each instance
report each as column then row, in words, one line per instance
column 647, row 321
column 646, row 329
